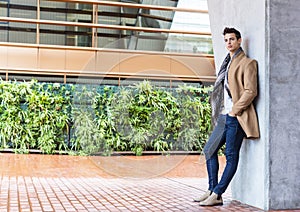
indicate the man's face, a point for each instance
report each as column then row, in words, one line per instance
column 232, row 44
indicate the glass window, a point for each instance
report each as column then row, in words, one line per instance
column 127, row 16
column 67, row 12
column 18, row 32
column 4, row 25
column 53, row 34
column 4, row 8
column 190, row 21
column 184, row 43
column 61, row 11
column 109, row 15
column 3, row 33
column 21, row 32
column 110, row 38
column 56, row 11
column 148, row 41
column 22, row 9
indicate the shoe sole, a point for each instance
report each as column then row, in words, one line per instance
column 217, row 204
column 196, row 200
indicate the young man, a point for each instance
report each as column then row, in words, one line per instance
column 233, row 115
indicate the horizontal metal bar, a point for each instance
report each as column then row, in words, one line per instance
column 109, row 74
column 133, row 5
column 104, row 26
column 44, row 46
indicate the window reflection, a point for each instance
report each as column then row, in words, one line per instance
column 66, row 35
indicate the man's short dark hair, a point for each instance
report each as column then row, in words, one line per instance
column 228, row 30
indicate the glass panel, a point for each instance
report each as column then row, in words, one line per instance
column 18, row 32
column 21, row 32
column 109, row 15
column 3, row 8
column 110, row 38
column 66, row 35
column 82, row 13
column 39, row 77
column 151, row 17
column 53, row 35
column 185, row 43
column 147, row 41
column 90, row 80
column 22, row 2
column 56, row 11
column 167, row 3
column 198, row 22
column 156, row 18
column 61, row 11
column 22, row 9
column 127, row 16
column 190, row 21
column 3, row 32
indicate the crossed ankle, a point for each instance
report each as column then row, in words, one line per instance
column 218, row 195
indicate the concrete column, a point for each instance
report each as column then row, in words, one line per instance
column 269, row 169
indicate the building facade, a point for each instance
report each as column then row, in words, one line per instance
column 111, row 41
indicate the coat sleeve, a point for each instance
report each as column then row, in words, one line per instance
column 249, row 88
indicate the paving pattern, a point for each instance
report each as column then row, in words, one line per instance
column 71, row 183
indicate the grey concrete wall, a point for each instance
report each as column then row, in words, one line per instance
column 269, row 169
column 284, row 104
column 250, row 184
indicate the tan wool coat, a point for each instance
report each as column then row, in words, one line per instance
column 242, row 80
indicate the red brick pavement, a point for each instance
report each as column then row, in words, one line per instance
column 118, row 183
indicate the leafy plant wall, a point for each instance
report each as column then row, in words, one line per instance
column 89, row 119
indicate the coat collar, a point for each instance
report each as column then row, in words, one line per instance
column 238, row 58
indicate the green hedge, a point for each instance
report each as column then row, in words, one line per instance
column 88, row 119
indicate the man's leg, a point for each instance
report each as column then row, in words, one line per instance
column 215, row 142
column 211, row 148
column 234, row 138
column 212, row 166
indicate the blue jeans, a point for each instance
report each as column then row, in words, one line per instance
column 232, row 135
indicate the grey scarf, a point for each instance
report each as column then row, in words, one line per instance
column 217, row 95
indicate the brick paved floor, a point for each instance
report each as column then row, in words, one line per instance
column 70, row 183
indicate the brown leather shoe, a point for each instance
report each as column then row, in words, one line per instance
column 203, row 197
column 212, row 200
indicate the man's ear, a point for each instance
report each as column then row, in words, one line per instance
column 240, row 40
